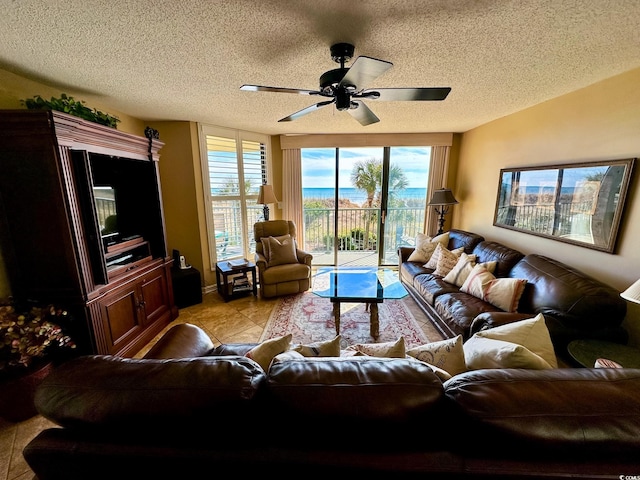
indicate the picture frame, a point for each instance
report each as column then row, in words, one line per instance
column 576, row 203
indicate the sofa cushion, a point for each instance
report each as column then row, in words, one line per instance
column 458, row 310
column 566, row 294
column 505, row 257
column 464, row 239
column 365, row 394
column 425, row 246
column 563, row 411
column 108, row 392
column 430, row 286
column 504, row 293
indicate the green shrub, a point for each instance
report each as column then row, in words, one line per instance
column 67, row 104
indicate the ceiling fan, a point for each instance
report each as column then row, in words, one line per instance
column 346, row 87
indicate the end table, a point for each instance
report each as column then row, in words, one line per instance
column 586, row 352
column 225, row 285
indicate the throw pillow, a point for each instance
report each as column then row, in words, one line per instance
column 264, row 352
column 482, row 352
column 327, row 348
column 504, row 293
column 463, row 267
column 446, row 261
column 438, row 252
column 286, row 356
column 425, row 245
column 532, row 334
column 389, row 349
column 447, row 355
column 461, row 270
column 282, row 250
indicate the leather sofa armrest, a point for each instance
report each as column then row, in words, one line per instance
column 404, row 253
column 487, row 320
column 181, row 341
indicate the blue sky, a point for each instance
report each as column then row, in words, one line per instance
column 318, row 164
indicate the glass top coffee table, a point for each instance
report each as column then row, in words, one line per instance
column 369, row 285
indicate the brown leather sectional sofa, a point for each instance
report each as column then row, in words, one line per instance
column 189, row 410
column 575, row 305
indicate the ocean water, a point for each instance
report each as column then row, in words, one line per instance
column 359, row 196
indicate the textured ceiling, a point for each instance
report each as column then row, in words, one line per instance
column 186, row 59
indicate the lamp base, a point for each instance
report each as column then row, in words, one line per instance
column 441, row 212
column 265, row 211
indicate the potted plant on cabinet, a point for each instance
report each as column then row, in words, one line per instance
column 31, row 341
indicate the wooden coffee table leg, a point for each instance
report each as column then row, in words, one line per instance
column 336, row 316
column 375, row 324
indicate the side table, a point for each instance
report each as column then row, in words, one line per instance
column 225, row 284
column 586, row 352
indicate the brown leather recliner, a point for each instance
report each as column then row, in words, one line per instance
column 285, row 278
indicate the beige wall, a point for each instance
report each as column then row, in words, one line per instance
column 599, row 122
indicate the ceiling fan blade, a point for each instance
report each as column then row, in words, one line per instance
column 407, row 94
column 305, row 111
column 260, row 88
column 363, row 71
column 363, row 114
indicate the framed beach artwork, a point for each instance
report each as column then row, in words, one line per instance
column 578, row 203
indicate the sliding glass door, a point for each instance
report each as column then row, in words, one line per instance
column 360, row 204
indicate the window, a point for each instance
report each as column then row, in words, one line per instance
column 234, row 165
column 367, row 218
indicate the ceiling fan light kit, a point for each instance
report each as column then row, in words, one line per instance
column 346, row 87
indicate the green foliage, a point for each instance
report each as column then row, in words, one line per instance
column 67, row 104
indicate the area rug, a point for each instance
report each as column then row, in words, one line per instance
column 310, row 319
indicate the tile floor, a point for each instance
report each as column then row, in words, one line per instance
column 240, row 320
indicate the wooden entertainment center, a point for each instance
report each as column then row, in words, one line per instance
column 115, row 281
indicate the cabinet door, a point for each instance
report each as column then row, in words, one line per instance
column 155, row 296
column 122, row 317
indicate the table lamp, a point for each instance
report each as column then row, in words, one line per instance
column 442, row 198
column 265, row 197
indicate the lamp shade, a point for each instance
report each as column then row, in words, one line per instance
column 443, row 196
column 632, row 293
column 266, row 195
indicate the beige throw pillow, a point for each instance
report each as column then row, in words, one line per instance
column 439, row 252
column 447, row 260
column 327, row 348
column 264, row 352
column 389, row 349
column 463, row 268
column 447, row 355
column 482, row 352
column 532, row 334
column 425, row 246
column 279, row 250
column 504, row 293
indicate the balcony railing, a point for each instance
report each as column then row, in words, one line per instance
column 355, row 225
column 357, row 232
